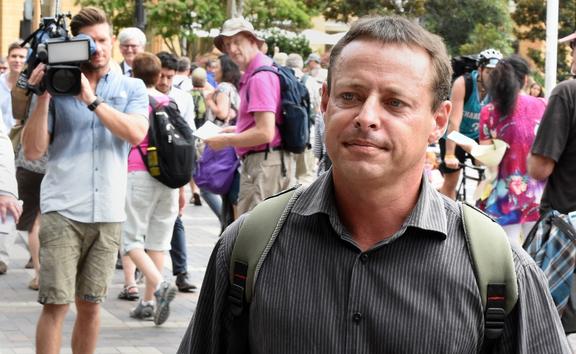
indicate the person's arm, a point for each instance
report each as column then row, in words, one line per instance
column 540, row 167
column 35, row 135
column 8, row 185
column 129, row 127
column 262, row 133
column 457, row 98
column 219, row 103
column 534, row 326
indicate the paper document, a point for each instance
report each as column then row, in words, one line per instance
column 488, row 155
column 461, row 139
column 207, row 130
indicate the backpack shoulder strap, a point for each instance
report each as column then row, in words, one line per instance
column 494, row 268
column 255, row 238
column 469, row 86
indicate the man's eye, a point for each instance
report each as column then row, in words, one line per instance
column 347, row 96
column 395, row 103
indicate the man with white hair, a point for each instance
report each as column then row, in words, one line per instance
column 132, row 41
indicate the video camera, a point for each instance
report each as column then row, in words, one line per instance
column 63, row 55
column 52, row 45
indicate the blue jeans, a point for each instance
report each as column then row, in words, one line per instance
column 214, row 202
column 178, row 248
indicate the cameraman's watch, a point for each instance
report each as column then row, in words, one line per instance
column 92, row 106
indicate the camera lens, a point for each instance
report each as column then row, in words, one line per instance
column 64, row 81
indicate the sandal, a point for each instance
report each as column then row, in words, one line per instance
column 130, row 293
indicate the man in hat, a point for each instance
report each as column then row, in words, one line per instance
column 266, row 169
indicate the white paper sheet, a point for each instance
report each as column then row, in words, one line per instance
column 207, row 130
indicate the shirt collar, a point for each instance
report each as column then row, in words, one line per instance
column 428, row 215
column 256, row 62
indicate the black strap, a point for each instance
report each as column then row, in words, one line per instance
column 469, row 86
column 240, row 309
column 495, row 316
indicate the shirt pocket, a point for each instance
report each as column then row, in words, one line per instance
column 118, row 102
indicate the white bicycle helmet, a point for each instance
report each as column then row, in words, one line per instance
column 489, row 57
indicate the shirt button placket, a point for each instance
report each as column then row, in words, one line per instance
column 364, row 258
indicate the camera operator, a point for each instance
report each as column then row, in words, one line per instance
column 88, row 138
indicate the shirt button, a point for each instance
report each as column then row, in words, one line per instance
column 364, row 257
column 96, row 169
column 357, row 317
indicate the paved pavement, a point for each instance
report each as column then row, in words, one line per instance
column 19, row 310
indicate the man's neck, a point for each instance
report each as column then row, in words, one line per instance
column 375, row 213
column 95, row 75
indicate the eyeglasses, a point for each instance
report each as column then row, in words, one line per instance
column 130, row 46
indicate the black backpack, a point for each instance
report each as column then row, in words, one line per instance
column 295, row 128
column 171, row 152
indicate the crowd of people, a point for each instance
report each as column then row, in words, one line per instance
column 366, row 224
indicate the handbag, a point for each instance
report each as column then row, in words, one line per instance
column 215, row 169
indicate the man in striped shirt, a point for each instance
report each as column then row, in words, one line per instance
column 371, row 259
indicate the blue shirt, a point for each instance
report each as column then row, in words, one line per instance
column 472, row 108
column 87, row 167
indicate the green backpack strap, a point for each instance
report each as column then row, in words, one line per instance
column 255, row 238
column 494, row 268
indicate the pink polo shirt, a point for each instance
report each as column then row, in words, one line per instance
column 258, row 93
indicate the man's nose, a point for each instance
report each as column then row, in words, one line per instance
column 369, row 115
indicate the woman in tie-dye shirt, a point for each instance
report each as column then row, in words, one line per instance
column 512, row 117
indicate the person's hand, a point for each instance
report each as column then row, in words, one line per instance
column 9, row 204
column 36, row 78
column 217, row 142
column 86, row 94
column 451, row 162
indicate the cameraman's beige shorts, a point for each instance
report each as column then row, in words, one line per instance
column 76, row 259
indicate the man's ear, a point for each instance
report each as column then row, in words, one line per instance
column 440, row 121
column 325, row 97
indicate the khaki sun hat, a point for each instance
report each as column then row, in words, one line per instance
column 232, row 27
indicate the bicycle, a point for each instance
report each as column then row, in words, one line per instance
column 467, row 167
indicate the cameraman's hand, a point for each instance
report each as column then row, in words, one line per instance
column 86, row 93
column 36, row 78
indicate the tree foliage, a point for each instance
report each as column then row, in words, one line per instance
column 345, row 10
column 530, row 15
column 286, row 14
column 470, row 25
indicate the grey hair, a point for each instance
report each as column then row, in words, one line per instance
column 129, row 33
column 295, row 60
column 399, row 30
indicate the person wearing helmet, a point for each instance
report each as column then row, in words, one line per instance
column 465, row 116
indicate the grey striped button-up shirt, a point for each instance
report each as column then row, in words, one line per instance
column 415, row 292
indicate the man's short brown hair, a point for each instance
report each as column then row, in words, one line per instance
column 15, row 45
column 88, row 16
column 146, row 67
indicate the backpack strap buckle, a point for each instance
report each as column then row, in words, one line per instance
column 236, row 293
column 495, row 314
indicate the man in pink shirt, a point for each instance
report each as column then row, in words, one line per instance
column 266, row 169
